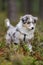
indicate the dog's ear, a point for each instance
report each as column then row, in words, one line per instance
column 27, row 18
column 24, row 19
column 21, row 18
column 35, row 19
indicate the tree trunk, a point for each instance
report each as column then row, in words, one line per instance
column 12, row 10
column 27, row 6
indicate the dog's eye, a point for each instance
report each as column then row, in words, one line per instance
column 34, row 21
column 28, row 22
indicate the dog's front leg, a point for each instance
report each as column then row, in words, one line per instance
column 29, row 46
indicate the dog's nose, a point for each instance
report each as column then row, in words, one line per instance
column 32, row 27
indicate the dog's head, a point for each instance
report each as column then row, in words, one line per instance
column 29, row 21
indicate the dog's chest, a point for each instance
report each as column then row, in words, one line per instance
column 29, row 34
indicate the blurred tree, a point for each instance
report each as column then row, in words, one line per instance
column 35, row 7
column 31, row 6
column 12, row 10
column 3, row 5
column 0, row 5
column 41, row 8
column 27, row 6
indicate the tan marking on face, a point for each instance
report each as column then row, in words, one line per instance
column 26, row 25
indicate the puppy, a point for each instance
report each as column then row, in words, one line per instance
column 26, row 28
column 23, row 31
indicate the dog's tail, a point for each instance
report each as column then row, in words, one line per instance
column 7, row 22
